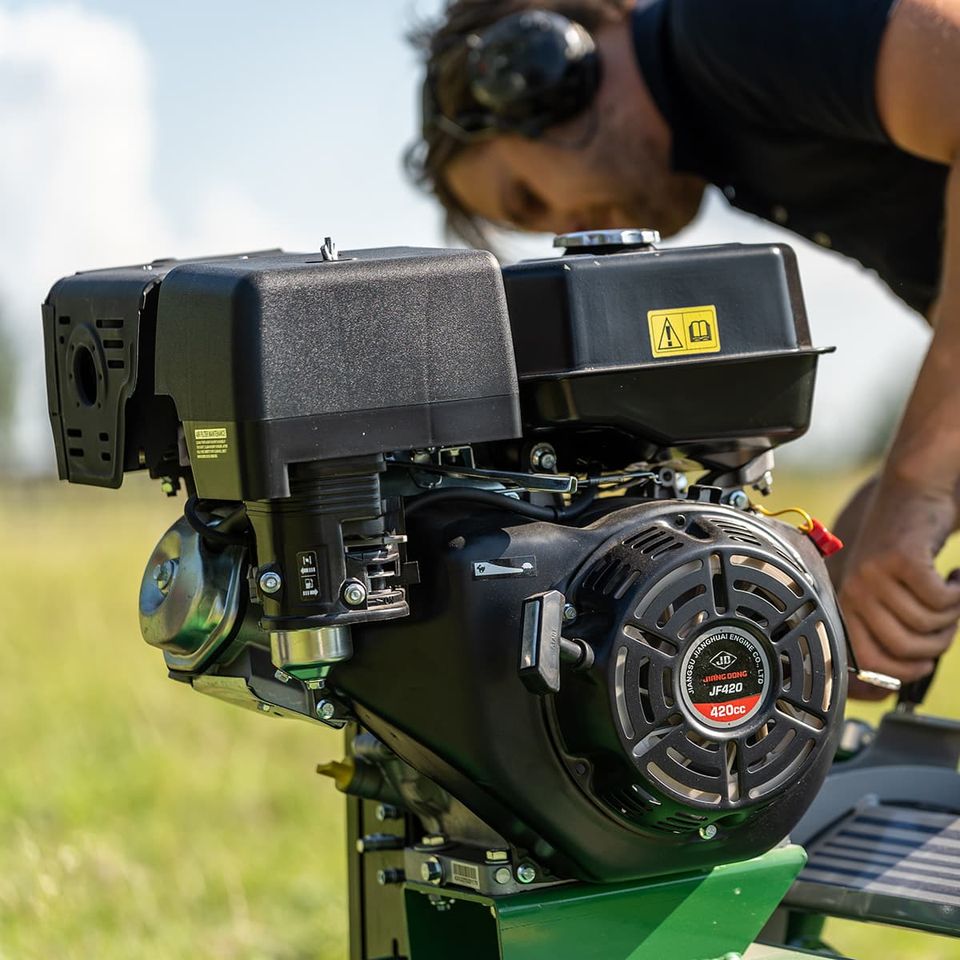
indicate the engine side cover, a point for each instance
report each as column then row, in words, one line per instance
column 627, row 772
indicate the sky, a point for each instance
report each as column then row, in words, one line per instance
column 134, row 130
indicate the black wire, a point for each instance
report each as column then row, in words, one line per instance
column 488, row 499
column 227, row 534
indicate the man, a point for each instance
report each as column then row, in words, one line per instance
column 838, row 119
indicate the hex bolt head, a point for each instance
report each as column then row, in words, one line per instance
column 326, row 710
column 503, row 875
column 569, row 613
column 543, row 457
column 526, row 873
column 387, row 811
column 431, row 871
column 765, row 484
column 354, row 593
column 708, row 832
column 738, row 500
column 270, row 582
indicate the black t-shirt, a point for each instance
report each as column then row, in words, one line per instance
column 773, row 101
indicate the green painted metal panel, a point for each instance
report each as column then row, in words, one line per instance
column 691, row 917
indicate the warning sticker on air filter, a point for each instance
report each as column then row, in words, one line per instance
column 724, row 677
column 684, row 331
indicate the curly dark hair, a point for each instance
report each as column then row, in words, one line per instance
column 442, row 44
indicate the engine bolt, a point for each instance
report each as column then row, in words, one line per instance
column 387, row 811
column 708, row 832
column 431, row 871
column 326, row 710
column 379, row 841
column 270, row 582
column 738, row 500
column 765, row 484
column 526, row 873
column 390, row 875
column 569, row 613
column 354, row 593
column 503, row 875
column 543, row 457
column 163, row 574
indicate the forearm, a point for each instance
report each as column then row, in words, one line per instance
column 925, row 456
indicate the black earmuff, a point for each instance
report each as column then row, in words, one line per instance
column 526, row 73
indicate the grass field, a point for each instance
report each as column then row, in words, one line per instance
column 139, row 820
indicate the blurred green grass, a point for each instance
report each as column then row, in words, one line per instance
column 138, row 819
column 141, row 821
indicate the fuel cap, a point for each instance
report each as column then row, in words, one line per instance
column 606, row 241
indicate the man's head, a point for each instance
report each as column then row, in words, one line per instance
column 607, row 166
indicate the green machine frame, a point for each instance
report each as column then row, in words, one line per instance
column 693, row 917
column 887, row 818
column 700, row 916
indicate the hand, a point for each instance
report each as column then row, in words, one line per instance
column 900, row 613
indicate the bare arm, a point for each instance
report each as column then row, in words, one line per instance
column 901, row 613
column 918, row 94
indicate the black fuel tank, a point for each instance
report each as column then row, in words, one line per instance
column 702, row 347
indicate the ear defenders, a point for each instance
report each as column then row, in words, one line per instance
column 527, row 72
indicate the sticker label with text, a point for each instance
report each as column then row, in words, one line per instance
column 724, row 676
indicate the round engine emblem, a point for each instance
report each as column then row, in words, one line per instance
column 723, row 677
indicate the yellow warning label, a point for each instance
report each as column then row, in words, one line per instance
column 684, row 331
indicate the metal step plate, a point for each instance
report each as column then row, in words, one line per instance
column 890, row 864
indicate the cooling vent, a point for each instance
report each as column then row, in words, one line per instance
column 730, row 583
column 654, row 541
column 737, row 531
column 617, row 574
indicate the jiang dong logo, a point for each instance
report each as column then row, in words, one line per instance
column 723, row 660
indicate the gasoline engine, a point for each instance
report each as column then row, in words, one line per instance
column 498, row 524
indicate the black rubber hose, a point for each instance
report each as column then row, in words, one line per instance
column 580, row 505
column 229, row 533
column 498, row 500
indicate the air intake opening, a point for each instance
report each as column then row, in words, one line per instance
column 85, row 376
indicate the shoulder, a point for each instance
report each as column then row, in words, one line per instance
column 789, row 64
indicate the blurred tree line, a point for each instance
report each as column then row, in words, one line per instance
column 8, row 391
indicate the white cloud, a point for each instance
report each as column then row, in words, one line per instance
column 76, row 179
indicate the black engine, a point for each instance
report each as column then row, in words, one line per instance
column 496, row 523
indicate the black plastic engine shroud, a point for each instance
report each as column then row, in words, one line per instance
column 554, row 775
